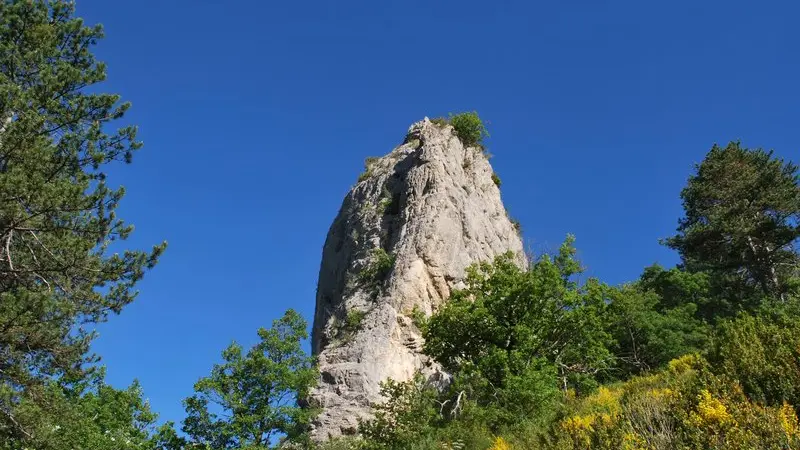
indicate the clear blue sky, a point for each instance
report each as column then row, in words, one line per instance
column 257, row 116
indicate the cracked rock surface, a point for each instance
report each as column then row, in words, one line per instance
column 402, row 240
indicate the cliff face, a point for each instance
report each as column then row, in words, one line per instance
column 400, row 243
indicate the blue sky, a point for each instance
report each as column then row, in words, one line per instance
column 257, row 116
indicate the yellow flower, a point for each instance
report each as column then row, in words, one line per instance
column 632, row 441
column 500, row 444
column 579, row 428
column 789, row 421
column 684, row 363
column 578, row 424
column 661, row 393
column 710, row 411
column 605, row 399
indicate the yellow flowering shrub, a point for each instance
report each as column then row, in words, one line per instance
column 500, row 444
column 685, row 406
column 789, row 421
column 578, row 425
column 661, row 393
column 710, row 411
column 685, row 363
column 632, row 441
column 604, row 399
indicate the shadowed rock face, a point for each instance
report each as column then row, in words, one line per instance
column 432, row 206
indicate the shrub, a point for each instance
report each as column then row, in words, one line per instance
column 469, row 128
column 763, row 356
column 380, row 265
column 404, row 419
column 684, row 406
column 440, row 121
column 368, row 162
column 364, row 175
column 496, row 179
column 352, row 323
column 418, row 317
column 385, row 204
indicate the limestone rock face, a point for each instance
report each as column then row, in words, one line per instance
column 427, row 210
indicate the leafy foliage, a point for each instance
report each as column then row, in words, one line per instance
column 85, row 414
column 404, row 418
column 469, row 128
column 496, row 179
column 685, row 406
column 58, row 215
column 418, row 317
column 741, row 224
column 352, row 322
column 256, row 391
column 647, row 333
column 512, row 333
column 378, row 268
column 367, row 173
column 762, row 355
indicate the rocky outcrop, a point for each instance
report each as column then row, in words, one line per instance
column 417, row 218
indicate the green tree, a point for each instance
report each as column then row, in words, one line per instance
column 647, row 333
column 742, row 222
column 415, row 415
column 406, row 417
column 85, row 414
column 257, row 392
column 763, row 355
column 511, row 333
column 58, row 276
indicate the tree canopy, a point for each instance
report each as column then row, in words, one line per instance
column 58, row 223
column 702, row 355
column 256, row 391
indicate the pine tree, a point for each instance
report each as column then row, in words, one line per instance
column 57, row 211
column 742, row 220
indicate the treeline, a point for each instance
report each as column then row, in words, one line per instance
column 703, row 355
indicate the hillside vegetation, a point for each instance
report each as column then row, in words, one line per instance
column 704, row 355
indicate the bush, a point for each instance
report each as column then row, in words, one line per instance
column 380, row 265
column 469, row 128
column 386, row 203
column 684, row 406
column 404, row 419
column 764, row 356
column 496, row 179
column 352, row 323
column 368, row 162
column 440, row 121
column 418, row 317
